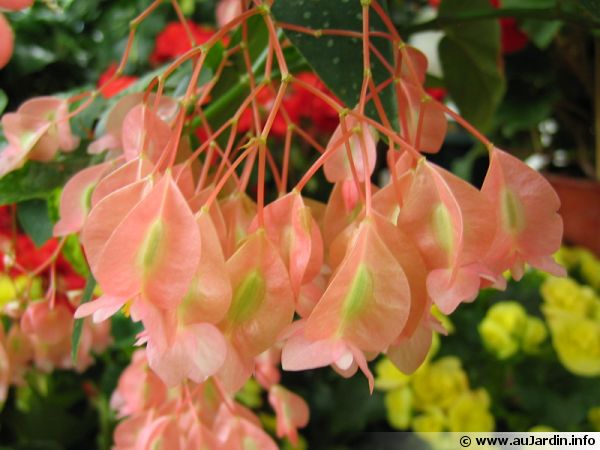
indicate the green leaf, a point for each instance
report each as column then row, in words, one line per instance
column 541, row 32
column 34, row 219
column 73, row 253
column 3, row 101
column 469, row 54
column 338, row 60
column 529, row 4
column 88, row 291
column 38, row 180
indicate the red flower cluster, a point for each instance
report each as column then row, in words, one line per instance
column 301, row 107
column 115, row 86
column 174, row 41
column 29, row 258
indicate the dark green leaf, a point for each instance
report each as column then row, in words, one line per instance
column 34, row 219
column 592, row 6
column 90, row 285
column 338, row 60
column 469, row 54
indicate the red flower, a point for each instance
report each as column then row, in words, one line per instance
column 116, row 85
column 312, row 108
column 301, row 106
column 173, row 41
column 437, row 93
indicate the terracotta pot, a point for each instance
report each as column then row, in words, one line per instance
column 580, row 210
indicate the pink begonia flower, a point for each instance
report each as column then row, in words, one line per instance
column 36, row 131
column 291, row 411
column 114, row 129
column 261, row 307
column 528, row 227
column 49, row 329
column 75, row 200
column 7, row 41
column 290, row 226
column 138, row 388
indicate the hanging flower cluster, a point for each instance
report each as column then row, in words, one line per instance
column 158, row 416
column 218, row 277
column 39, row 291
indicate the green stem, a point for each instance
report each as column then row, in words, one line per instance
column 518, row 13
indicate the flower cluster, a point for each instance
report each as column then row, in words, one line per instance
column 573, row 315
column 37, row 307
column 218, row 276
column 507, row 329
column 195, row 415
column 36, row 132
column 436, row 398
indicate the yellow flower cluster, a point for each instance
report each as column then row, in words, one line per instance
column 11, row 289
column 437, row 397
column 573, row 315
column 582, row 260
column 507, row 328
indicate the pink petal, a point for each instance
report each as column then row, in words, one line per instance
column 263, row 302
column 144, row 252
column 102, row 308
column 197, row 353
column 105, row 217
column 410, row 353
column 367, row 301
column 75, row 199
column 7, row 41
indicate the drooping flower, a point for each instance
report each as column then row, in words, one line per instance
column 528, row 227
column 36, row 131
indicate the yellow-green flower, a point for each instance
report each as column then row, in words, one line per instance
column 431, row 421
column 471, row 413
column 509, row 314
column 444, row 320
column 388, row 376
column 594, row 418
column 497, row 340
column 399, row 405
column 8, row 290
column 541, row 429
column 439, row 384
column 577, row 343
column 567, row 296
column 534, row 335
column 567, row 257
column 590, row 268
column 13, row 288
column 502, row 328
